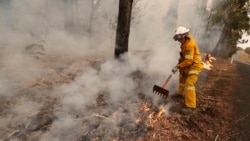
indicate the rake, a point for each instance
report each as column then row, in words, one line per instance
column 161, row 90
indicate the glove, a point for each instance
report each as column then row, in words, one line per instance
column 175, row 69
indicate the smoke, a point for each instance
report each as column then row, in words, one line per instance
column 21, row 115
column 82, row 92
column 65, row 128
column 103, row 89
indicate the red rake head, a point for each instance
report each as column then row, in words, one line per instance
column 160, row 91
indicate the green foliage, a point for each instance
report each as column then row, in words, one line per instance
column 232, row 16
column 247, row 50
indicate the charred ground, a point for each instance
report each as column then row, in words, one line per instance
column 222, row 115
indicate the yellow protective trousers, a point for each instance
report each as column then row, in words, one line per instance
column 187, row 88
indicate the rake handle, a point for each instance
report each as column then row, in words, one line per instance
column 164, row 85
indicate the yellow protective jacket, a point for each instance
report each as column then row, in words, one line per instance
column 190, row 61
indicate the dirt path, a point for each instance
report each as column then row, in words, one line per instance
column 227, row 94
column 241, row 104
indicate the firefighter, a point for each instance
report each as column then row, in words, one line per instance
column 190, row 65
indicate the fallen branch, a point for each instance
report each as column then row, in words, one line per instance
column 13, row 133
column 216, row 137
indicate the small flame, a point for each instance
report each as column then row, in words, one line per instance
column 207, row 66
column 208, row 60
column 153, row 117
column 144, row 107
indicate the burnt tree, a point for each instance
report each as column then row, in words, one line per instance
column 123, row 27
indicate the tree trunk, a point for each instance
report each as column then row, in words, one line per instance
column 123, row 27
column 221, row 49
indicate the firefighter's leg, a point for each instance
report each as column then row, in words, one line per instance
column 190, row 94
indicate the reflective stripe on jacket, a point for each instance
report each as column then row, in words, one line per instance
column 191, row 62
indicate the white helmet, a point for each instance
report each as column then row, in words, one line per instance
column 180, row 32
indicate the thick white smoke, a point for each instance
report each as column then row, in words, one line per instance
column 75, row 35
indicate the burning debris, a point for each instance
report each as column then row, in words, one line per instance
column 208, row 59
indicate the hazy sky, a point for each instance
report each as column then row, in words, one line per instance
column 245, row 45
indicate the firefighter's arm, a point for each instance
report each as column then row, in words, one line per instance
column 175, row 68
column 189, row 54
